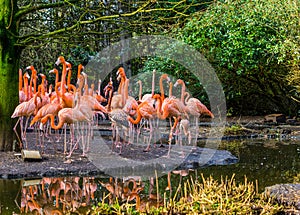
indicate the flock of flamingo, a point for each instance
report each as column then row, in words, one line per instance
column 78, row 105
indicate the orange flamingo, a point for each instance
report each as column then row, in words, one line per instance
column 147, row 111
column 45, row 97
column 22, row 92
column 33, row 81
column 170, row 107
column 92, row 101
column 130, row 104
column 121, row 75
column 68, row 116
column 98, row 95
column 54, row 94
column 79, row 70
column 51, row 108
column 67, row 98
column 25, row 109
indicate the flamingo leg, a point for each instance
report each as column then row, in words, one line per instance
column 197, row 130
column 150, row 136
column 65, row 139
column 24, row 132
column 15, row 130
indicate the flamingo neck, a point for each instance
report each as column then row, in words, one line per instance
column 109, row 100
column 43, row 87
column 153, row 83
column 34, row 82
column 26, row 88
column 20, row 80
column 162, row 93
column 138, row 118
column 69, row 77
column 63, row 78
column 79, row 71
column 99, row 84
column 187, row 97
column 182, row 92
column 170, row 89
column 140, row 90
column 56, row 76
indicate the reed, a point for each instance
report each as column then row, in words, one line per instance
column 203, row 196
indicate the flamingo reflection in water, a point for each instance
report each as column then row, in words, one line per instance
column 58, row 195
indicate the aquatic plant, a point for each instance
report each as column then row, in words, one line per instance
column 202, row 196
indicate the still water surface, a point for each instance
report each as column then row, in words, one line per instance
column 266, row 162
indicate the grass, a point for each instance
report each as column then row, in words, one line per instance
column 200, row 196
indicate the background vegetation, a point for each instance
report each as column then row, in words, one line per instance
column 253, row 45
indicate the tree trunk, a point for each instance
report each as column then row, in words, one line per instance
column 9, row 64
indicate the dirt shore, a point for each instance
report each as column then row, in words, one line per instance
column 54, row 162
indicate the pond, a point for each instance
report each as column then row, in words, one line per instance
column 264, row 162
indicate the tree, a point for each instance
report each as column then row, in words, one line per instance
column 253, row 45
column 55, row 27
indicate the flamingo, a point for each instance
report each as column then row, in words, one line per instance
column 117, row 116
column 32, row 81
column 68, row 116
column 51, row 108
column 98, row 95
column 25, row 109
column 67, row 98
column 194, row 106
column 54, row 94
column 87, row 106
column 121, row 75
column 45, row 97
column 130, row 104
column 22, row 92
column 170, row 107
column 147, row 111
column 149, row 96
column 118, row 100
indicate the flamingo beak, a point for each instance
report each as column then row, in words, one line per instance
column 58, row 62
column 28, row 67
column 84, row 74
column 119, row 77
column 168, row 79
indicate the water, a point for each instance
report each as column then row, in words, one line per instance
column 266, row 162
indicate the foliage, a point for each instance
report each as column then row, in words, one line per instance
column 204, row 196
column 51, row 29
column 253, row 45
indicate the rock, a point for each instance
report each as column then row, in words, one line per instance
column 133, row 161
column 287, row 195
column 276, row 118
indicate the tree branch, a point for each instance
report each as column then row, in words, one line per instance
column 29, row 8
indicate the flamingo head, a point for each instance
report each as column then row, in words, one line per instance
column 26, row 75
column 53, row 71
column 60, row 60
column 178, row 82
column 80, row 67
